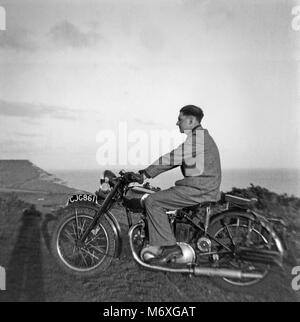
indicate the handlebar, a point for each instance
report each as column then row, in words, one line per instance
column 132, row 177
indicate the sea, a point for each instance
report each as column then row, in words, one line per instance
column 277, row 180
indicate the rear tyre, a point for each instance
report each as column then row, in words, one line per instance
column 239, row 229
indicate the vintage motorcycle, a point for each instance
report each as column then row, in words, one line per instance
column 227, row 239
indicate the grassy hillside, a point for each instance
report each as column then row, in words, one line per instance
column 32, row 274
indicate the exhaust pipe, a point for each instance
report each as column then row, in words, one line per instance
column 222, row 272
column 194, row 270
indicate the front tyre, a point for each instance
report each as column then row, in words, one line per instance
column 95, row 254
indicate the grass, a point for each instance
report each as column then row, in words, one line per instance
column 32, row 274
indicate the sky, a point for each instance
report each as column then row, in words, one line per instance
column 72, row 69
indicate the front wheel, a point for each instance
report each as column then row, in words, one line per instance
column 91, row 257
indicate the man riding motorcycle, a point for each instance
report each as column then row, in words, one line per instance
column 199, row 160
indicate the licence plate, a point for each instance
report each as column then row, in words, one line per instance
column 82, row 198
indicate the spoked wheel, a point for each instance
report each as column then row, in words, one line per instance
column 238, row 231
column 86, row 258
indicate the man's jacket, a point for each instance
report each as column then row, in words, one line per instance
column 199, row 160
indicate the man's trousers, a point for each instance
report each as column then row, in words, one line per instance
column 177, row 197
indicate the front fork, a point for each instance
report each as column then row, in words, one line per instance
column 103, row 209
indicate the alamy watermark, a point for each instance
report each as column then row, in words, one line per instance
column 2, row 279
column 296, row 280
column 140, row 147
column 296, row 20
column 2, row 19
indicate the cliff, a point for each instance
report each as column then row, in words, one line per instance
column 23, row 175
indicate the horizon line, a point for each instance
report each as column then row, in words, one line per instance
column 142, row 167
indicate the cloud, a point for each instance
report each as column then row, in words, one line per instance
column 192, row 4
column 217, row 16
column 66, row 34
column 31, row 121
column 18, row 146
column 145, row 122
column 27, row 135
column 34, row 111
column 17, row 39
column 152, row 38
column 213, row 14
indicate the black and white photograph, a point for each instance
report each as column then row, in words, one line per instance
column 149, row 153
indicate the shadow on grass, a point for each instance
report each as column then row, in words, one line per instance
column 46, row 230
column 24, row 272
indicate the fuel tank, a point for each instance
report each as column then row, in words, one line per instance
column 134, row 198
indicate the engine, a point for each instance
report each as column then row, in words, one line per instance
column 188, row 253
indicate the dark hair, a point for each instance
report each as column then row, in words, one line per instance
column 194, row 111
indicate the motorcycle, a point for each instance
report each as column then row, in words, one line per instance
column 226, row 240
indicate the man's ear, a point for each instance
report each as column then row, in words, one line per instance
column 191, row 120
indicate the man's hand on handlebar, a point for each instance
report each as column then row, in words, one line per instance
column 133, row 177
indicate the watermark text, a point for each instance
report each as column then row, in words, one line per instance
column 296, row 20
column 2, row 279
column 296, row 280
column 2, row 19
column 122, row 146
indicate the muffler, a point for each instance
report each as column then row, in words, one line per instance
column 222, row 272
column 261, row 256
column 192, row 269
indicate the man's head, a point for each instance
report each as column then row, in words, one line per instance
column 189, row 117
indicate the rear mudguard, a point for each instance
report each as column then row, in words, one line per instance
column 252, row 215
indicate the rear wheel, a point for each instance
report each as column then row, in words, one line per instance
column 88, row 258
column 234, row 230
